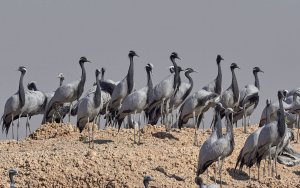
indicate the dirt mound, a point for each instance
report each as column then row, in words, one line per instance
column 52, row 130
column 57, row 157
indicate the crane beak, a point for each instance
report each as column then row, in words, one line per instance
column 195, row 71
column 261, row 71
column 137, row 55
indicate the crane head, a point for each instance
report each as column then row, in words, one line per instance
column 83, row 59
column 174, row 55
column 190, row 70
column 103, row 69
column 219, row 58
column 132, row 54
column 257, row 69
column 22, row 69
column 149, row 67
column 12, row 172
column 234, row 66
column 280, row 95
column 97, row 72
column 61, row 76
column 147, row 179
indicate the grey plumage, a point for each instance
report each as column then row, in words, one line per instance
column 230, row 97
column 218, row 150
column 195, row 105
column 164, row 90
column 249, row 98
column 123, row 88
column 216, row 85
column 89, row 107
column 271, row 134
column 22, row 104
column 66, row 93
column 183, row 91
column 270, row 112
column 203, row 159
column 136, row 101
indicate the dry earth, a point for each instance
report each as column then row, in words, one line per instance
column 55, row 157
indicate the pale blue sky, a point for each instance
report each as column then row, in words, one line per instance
column 49, row 37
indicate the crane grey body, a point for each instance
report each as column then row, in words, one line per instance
column 203, row 159
column 136, row 101
column 164, row 90
column 270, row 112
column 195, row 105
column 230, row 97
column 271, row 134
column 66, row 93
column 22, row 104
column 123, row 88
column 216, row 85
column 89, row 108
column 249, row 98
column 218, row 150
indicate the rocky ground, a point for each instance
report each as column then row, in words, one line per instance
column 58, row 156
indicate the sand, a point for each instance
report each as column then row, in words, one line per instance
column 58, row 156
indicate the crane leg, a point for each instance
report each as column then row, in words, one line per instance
column 244, row 119
column 134, row 139
column 93, row 125
column 275, row 160
column 70, row 112
column 216, row 169
column 258, row 166
column 12, row 126
column 298, row 123
column 270, row 161
column 18, row 125
column 88, row 125
column 249, row 121
column 249, row 173
column 27, row 125
column 220, row 172
column 195, row 137
column 139, row 132
column 99, row 119
column 264, row 169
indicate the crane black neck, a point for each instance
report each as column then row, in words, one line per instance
column 235, row 87
column 97, row 96
column 218, row 86
column 130, row 75
column 256, row 83
column 21, row 91
column 82, row 80
column 149, row 85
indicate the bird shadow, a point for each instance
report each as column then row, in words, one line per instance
column 297, row 172
column 218, row 181
column 99, row 141
column 238, row 174
column 164, row 135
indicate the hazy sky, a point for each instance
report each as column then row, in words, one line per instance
column 49, row 37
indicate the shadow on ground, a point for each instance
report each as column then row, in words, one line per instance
column 238, row 174
column 99, row 141
column 297, row 173
column 163, row 135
